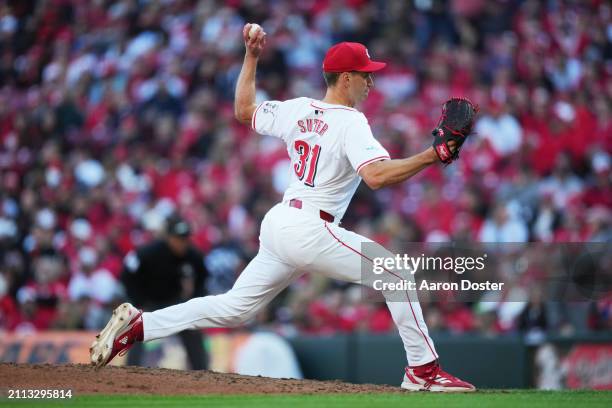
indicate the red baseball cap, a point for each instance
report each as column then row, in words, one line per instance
column 350, row 56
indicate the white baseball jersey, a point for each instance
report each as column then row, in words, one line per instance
column 328, row 145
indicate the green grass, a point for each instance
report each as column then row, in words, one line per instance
column 511, row 399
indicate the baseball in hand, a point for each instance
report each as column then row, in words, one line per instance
column 253, row 30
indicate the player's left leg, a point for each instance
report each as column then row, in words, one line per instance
column 341, row 256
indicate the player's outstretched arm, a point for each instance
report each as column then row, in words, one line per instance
column 455, row 125
column 388, row 172
column 244, row 100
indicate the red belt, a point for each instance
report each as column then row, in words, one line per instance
column 324, row 215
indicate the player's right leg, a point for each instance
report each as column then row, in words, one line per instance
column 122, row 330
column 264, row 277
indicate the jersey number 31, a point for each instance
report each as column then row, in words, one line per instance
column 308, row 158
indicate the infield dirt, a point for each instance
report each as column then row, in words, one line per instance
column 83, row 379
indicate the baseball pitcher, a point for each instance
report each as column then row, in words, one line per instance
column 332, row 149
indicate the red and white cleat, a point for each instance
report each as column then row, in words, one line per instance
column 431, row 377
column 123, row 329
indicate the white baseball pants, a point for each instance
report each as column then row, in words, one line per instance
column 292, row 241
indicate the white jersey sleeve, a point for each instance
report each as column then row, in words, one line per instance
column 273, row 118
column 360, row 145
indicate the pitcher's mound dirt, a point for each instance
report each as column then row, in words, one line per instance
column 83, row 379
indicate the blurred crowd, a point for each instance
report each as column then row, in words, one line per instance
column 116, row 113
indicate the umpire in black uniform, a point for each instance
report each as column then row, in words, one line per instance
column 163, row 273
